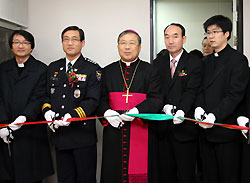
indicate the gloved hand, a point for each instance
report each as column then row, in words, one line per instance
column 209, row 119
column 179, row 113
column 199, row 113
column 19, row 119
column 125, row 117
column 63, row 122
column 242, row 121
column 55, row 125
column 50, row 116
column 168, row 109
column 113, row 118
column 5, row 134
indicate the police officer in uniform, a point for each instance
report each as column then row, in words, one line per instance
column 73, row 91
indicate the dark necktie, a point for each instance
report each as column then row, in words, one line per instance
column 69, row 67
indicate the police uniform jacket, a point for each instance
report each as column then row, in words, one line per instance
column 22, row 94
column 79, row 100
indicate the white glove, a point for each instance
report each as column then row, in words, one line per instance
column 168, row 109
column 5, row 135
column 63, row 122
column 199, row 113
column 176, row 120
column 55, row 125
column 113, row 118
column 125, row 117
column 242, row 121
column 209, row 119
column 50, row 116
column 19, row 119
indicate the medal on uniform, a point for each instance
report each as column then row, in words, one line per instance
column 54, row 77
column 81, row 77
column 77, row 93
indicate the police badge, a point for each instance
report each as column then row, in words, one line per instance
column 77, row 93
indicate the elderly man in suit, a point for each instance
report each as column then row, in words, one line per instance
column 180, row 76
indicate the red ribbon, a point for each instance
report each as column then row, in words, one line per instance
column 41, row 122
column 235, row 127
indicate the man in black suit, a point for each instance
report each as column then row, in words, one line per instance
column 224, row 82
column 180, row 75
column 27, row 157
column 73, row 91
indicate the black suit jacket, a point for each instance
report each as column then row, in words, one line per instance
column 224, row 83
column 79, row 100
column 23, row 95
column 181, row 91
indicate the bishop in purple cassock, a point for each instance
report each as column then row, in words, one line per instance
column 130, row 86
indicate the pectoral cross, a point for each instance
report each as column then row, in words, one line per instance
column 127, row 95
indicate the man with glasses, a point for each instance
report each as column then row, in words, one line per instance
column 224, row 82
column 24, row 152
column 73, row 91
column 130, row 86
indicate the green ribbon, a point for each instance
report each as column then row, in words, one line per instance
column 158, row 117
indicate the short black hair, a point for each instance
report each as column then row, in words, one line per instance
column 221, row 21
column 196, row 52
column 81, row 32
column 28, row 36
column 183, row 32
column 128, row 31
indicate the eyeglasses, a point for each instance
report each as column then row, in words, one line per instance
column 74, row 40
column 212, row 32
column 130, row 44
column 17, row 43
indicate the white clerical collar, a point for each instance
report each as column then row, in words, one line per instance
column 20, row 65
column 216, row 54
column 72, row 62
column 129, row 63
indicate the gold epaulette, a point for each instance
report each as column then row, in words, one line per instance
column 46, row 105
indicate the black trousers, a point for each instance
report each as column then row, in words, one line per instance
column 221, row 161
column 10, row 181
column 77, row 165
column 177, row 160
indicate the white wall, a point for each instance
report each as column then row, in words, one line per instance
column 14, row 11
column 246, row 28
column 102, row 22
column 191, row 14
